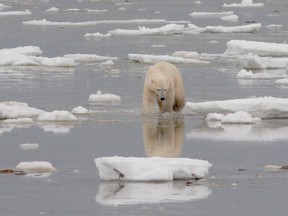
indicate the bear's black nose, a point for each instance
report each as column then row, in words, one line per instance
column 162, row 98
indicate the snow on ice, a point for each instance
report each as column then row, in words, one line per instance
column 239, row 117
column 151, row 169
column 35, row 167
column 132, row 193
column 100, row 98
column 262, row 107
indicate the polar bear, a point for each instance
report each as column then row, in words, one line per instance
column 163, row 83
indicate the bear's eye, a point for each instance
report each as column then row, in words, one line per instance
column 165, row 89
column 158, row 89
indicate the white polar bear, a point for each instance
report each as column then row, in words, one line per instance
column 163, row 83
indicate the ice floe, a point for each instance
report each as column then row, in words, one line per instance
column 151, row 169
column 88, row 58
column 29, row 146
column 131, row 193
column 35, row 167
column 14, row 110
column 239, row 117
column 144, row 58
column 244, row 74
column 19, row 121
column 15, row 13
column 212, row 15
column 283, row 81
column 244, row 47
column 234, row 29
column 252, row 61
column 262, row 107
column 52, row 9
column 243, row 4
column 30, row 56
column 61, row 116
column 97, row 35
column 100, row 98
column 3, row 7
column 45, row 22
column 164, row 30
column 80, row 111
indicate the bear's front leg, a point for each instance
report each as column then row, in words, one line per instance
column 148, row 104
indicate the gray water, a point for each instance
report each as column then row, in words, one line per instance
column 237, row 183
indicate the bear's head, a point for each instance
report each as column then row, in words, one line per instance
column 160, row 87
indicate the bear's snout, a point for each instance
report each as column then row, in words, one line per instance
column 162, row 98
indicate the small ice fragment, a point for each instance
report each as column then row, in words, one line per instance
column 35, row 167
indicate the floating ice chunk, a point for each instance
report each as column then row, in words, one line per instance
column 73, row 10
column 95, row 10
column 29, row 146
column 2, row 7
column 103, row 98
column 251, row 61
column 25, row 50
column 272, row 168
column 262, row 107
column 164, row 30
column 19, row 121
column 243, row 47
column 244, row 74
column 88, row 58
column 132, row 193
column 239, row 117
column 97, row 35
column 156, row 58
column 151, row 169
column 250, row 28
column 35, row 167
column 80, row 111
column 53, row 9
column 56, row 115
column 56, row 62
column 214, row 117
column 230, row 18
column 243, row 4
column 13, row 110
column 210, row 14
column 108, row 63
column 282, row 81
column 45, row 22
column 186, row 54
column 15, row 13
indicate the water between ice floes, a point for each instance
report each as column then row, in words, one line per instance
column 237, row 181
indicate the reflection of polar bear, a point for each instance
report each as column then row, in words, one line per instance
column 163, row 137
column 163, row 83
